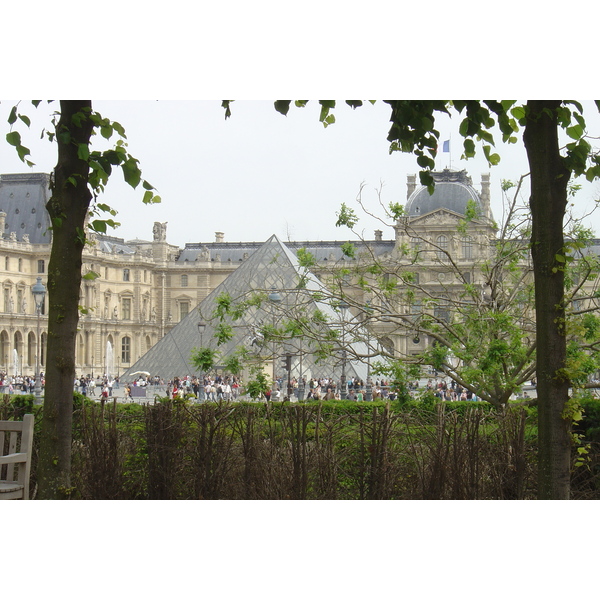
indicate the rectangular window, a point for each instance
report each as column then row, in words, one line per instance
column 6, row 300
column 126, row 349
column 184, row 281
column 467, row 247
column 126, row 308
column 41, row 266
column 125, row 274
column 184, row 309
column 442, row 243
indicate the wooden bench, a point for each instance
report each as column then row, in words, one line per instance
column 11, row 460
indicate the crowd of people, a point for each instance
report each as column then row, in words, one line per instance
column 229, row 387
column 328, row 388
column 87, row 385
column 18, row 384
column 451, row 393
column 217, row 387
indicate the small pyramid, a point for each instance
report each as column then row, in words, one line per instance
column 272, row 266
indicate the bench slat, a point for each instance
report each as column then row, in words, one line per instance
column 10, row 432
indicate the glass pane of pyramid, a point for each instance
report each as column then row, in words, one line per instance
column 272, row 268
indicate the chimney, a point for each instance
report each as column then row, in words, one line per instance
column 219, row 236
column 2, row 223
column 378, row 235
column 411, row 185
column 485, row 195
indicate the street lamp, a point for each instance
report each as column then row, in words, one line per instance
column 369, row 386
column 344, row 384
column 201, row 329
column 274, row 298
column 39, row 294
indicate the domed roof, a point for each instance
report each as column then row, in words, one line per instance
column 453, row 190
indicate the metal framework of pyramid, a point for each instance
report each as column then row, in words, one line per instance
column 272, row 267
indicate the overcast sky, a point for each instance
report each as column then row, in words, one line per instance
column 258, row 172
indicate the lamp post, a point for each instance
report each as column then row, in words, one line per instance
column 274, row 298
column 369, row 386
column 39, row 294
column 343, row 382
column 201, row 330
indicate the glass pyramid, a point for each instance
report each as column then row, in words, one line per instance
column 272, row 270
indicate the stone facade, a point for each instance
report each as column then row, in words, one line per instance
column 143, row 288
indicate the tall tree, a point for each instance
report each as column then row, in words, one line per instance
column 413, row 130
column 78, row 178
column 68, row 206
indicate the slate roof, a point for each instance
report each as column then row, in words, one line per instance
column 453, row 189
column 237, row 252
column 23, row 198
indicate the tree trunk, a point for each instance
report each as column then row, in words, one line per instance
column 548, row 201
column 68, row 206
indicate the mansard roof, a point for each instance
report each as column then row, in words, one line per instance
column 23, row 198
column 237, row 252
column 453, row 190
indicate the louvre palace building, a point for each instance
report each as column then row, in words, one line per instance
column 146, row 287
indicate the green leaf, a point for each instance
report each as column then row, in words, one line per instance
column 98, row 225
column 329, row 120
column 119, row 129
column 349, row 249
column 469, row 146
column 106, row 131
column 22, row 151
column 12, row 117
column 518, row 112
column 131, row 172
column 13, row 138
column 326, row 106
column 25, row 120
column 83, row 151
column 346, row 216
column 575, row 132
column 282, row 106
